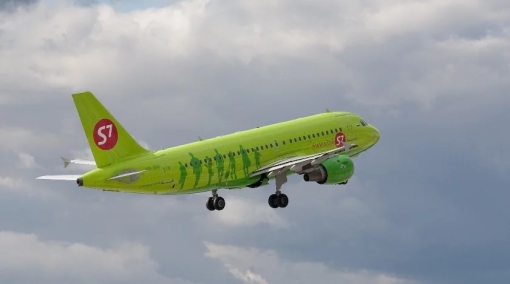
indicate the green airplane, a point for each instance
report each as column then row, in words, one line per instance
column 318, row 147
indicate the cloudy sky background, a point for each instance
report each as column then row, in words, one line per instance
column 428, row 204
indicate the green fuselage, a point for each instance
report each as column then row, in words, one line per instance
column 227, row 161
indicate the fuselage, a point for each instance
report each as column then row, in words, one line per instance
column 227, row 161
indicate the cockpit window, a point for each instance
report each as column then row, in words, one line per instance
column 363, row 123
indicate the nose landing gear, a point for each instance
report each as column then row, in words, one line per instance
column 215, row 202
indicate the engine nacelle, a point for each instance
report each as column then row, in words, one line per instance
column 332, row 171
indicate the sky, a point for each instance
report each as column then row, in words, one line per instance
column 427, row 204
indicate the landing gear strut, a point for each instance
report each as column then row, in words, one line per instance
column 215, row 202
column 279, row 199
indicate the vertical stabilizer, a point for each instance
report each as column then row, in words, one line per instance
column 107, row 138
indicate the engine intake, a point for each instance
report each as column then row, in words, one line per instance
column 319, row 174
column 334, row 170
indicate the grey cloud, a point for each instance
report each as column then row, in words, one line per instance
column 11, row 5
column 126, row 263
column 427, row 202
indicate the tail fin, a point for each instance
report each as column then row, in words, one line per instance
column 107, row 138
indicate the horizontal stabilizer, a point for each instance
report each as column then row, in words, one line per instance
column 126, row 175
column 61, row 177
column 77, row 161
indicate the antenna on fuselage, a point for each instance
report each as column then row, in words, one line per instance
column 327, row 110
column 200, row 138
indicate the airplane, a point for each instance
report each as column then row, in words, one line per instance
column 319, row 147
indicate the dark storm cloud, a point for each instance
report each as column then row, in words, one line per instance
column 427, row 202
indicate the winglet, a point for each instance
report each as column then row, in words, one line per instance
column 66, row 162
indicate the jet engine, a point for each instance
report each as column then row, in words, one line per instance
column 334, row 170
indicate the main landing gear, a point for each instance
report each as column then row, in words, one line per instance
column 215, row 202
column 278, row 199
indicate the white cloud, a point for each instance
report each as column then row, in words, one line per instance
column 244, row 212
column 77, row 48
column 22, row 139
column 60, row 262
column 261, row 267
column 13, row 185
column 10, row 182
column 27, row 161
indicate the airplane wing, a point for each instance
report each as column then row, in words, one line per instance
column 77, row 161
column 75, row 177
column 60, row 177
column 301, row 164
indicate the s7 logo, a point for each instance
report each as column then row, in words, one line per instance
column 105, row 134
column 100, row 133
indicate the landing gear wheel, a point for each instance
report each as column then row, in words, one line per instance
column 283, row 200
column 210, row 204
column 273, row 201
column 219, row 203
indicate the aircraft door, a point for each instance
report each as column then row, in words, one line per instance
column 166, row 171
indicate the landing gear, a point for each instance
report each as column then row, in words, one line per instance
column 215, row 202
column 345, row 182
column 279, row 199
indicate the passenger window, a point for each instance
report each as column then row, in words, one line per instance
column 299, row 138
column 313, row 135
column 322, row 133
column 309, row 137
